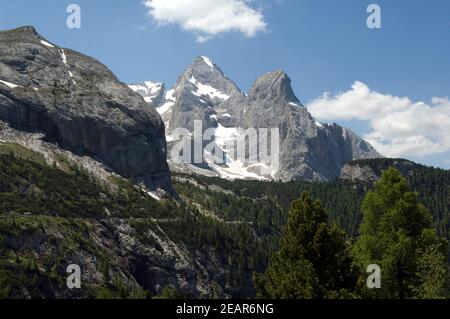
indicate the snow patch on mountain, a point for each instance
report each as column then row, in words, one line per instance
column 64, row 60
column 168, row 104
column 207, row 90
column 234, row 168
column 47, row 44
column 9, row 84
column 63, row 57
column 163, row 109
column 147, row 88
column 203, row 93
column 151, row 92
column 209, row 62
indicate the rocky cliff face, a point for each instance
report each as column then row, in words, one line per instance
column 308, row 150
column 369, row 171
column 80, row 105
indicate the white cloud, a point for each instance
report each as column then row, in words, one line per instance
column 398, row 126
column 208, row 18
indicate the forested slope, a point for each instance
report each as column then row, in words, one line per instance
column 206, row 244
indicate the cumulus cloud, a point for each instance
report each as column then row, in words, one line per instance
column 398, row 127
column 208, row 18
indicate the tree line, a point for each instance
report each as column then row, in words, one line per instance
column 317, row 260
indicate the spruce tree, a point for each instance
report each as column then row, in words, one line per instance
column 313, row 261
column 397, row 235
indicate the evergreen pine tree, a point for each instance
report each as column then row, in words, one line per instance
column 313, row 260
column 432, row 272
column 397, row 235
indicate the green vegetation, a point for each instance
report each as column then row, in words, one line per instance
column 341, row 199
column 53, row 215
column 22, row 152
column 64, row 211
column 313, row 261
column 171, row 293
column 397, row 235
column 30, row 187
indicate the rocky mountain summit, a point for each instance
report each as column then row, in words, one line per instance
column 308, row 150
column 78, row 104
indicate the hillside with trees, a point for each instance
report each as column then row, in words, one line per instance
column 214, row 237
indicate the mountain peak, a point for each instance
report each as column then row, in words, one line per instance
column 203, row 64
column 208, row 61
column 24, row 29
column 308, row 150
column 205, row 72
column 37, row 93
column 273, row 85
column 25, row 32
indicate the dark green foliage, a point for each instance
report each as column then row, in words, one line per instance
column 342, row 199
column 35, row 197
column 171, row 293
column 397, row 235
column 431, row 184
column 30, row 187
column 118, row 290
column 433, row 274
column 267, row 203
column 313, row 261
column 237, row 223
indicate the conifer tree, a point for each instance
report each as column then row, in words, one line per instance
column 313, row 261
column 397, row 235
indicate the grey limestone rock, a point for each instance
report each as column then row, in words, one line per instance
column 79, row 104
column 309, row 150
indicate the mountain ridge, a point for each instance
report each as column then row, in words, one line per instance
column 77, row 103
column 309, row 150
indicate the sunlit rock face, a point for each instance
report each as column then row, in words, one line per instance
column 80, row 105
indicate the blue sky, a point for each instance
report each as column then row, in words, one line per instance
column 325, row 46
